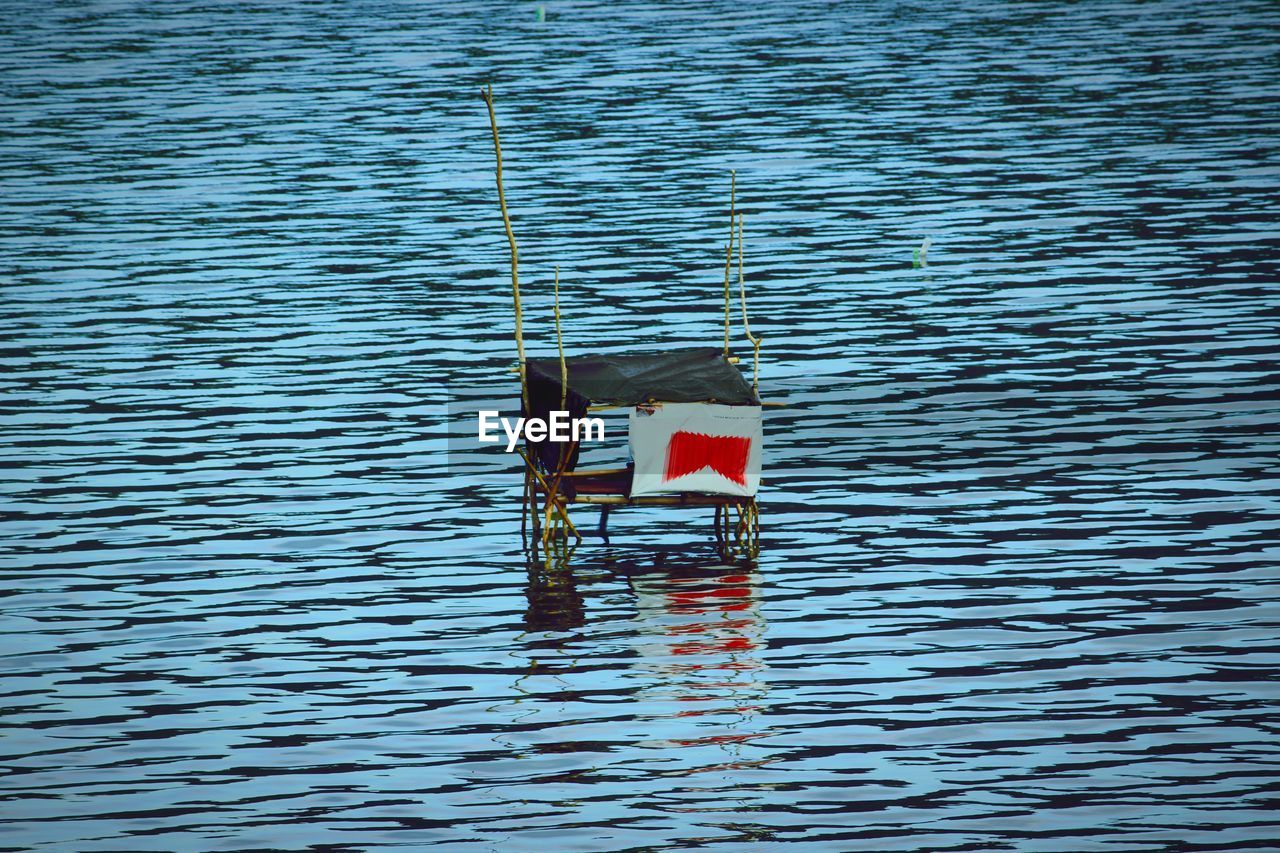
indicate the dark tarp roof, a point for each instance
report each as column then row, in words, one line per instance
column 696, row 375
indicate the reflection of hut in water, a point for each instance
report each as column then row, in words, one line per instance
column 701, row 631
column 694, row 658
column 553, row 602
column 694, row 430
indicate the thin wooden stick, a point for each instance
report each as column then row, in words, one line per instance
column 487, row 95
column 596, row 472
column 686, row 499
column 524, row 506
column 538, row 476
column 728, row 259
column 733, row 359
column 535, row 531
column 566, row 450
column 728, row 254
column 553, row 491
column 558, row 504
column 746, row 325
column 564, row 521
column 564, row 372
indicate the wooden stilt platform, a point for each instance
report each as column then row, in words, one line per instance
column 702, row 377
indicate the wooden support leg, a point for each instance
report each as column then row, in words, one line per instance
column 754, row 531
column 561, row 520
column 534, row 520
column 559, row 506
column 553, row 494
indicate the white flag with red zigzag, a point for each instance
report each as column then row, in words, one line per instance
column 696, row 447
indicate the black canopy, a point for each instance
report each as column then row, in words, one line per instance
column 697, row 375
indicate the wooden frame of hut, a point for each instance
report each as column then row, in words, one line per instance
column 641, row 381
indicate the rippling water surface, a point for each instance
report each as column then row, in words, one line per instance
column 1017, row 590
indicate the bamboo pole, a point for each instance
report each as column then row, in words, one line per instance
column 537, row 475
column 564, row 372
column 553, row 491
column 535, row 531
column 566, row 450
column 487, row 95
column 746, row 324
column 728, row 260
column 728, row 254
column 733, row 359
column 524, row 506
column 686, row 499
column 596, row 472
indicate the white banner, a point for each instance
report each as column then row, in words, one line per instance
column 696, row 447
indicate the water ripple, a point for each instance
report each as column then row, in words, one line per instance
column 1017, row 584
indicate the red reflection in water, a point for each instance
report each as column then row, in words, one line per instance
column 713, row 625
column 727, row 594
column 711, row 630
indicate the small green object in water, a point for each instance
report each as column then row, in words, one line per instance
column 542, row 14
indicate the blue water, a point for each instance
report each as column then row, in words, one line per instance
column 1017, row 588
